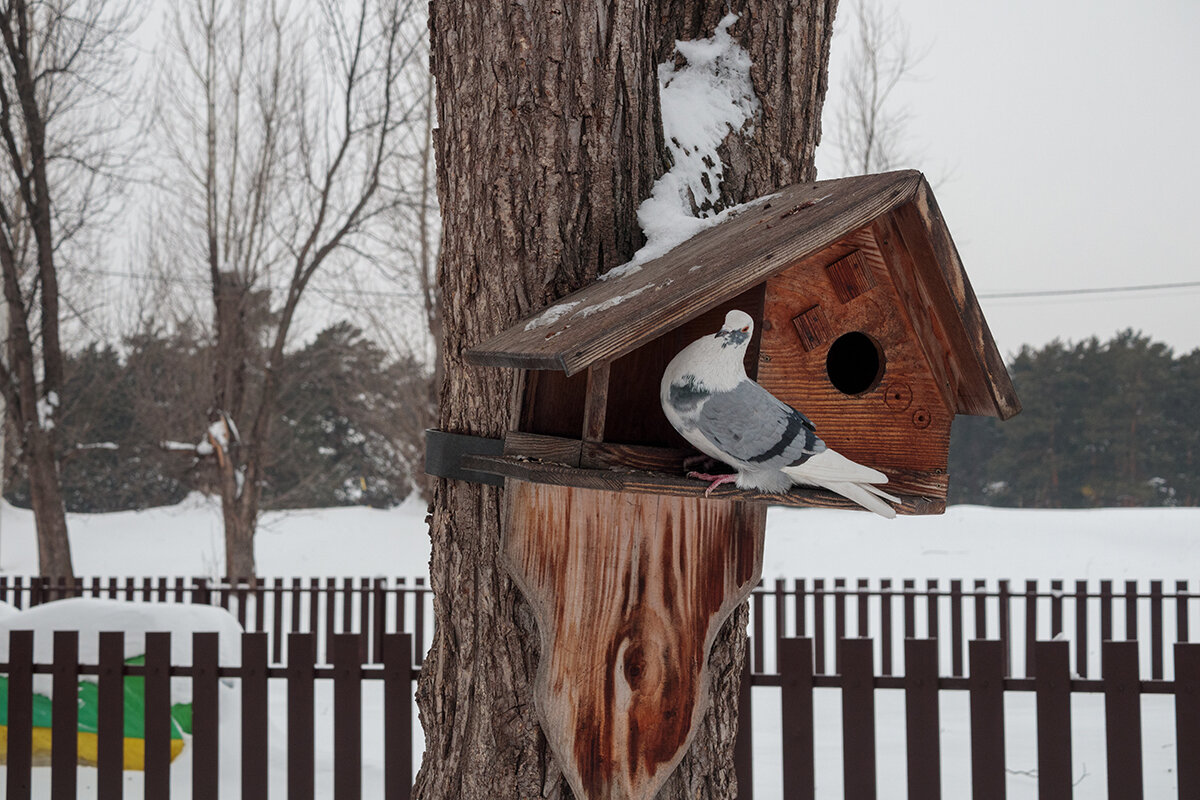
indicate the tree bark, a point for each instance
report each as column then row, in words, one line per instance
column 38, row 402
column 549, row 138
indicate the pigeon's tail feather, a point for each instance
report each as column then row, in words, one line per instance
column 831, row 470
column 867, row 496
column 831, row 466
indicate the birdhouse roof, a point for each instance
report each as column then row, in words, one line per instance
column 619, row 313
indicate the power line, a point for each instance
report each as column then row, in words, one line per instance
column 1098, row 290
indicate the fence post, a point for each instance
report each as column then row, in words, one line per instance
column 64, row 735
column 1006, row 626
column 1081, row 628
column 858, row 717
column 1053, row 687
column 1123, row 719
column 757, row 636
column 796, row 670
column 1187, row 718
column 110, row 717
column 206, row 649
column 20, row 714
column 987, row 720
column 302, row 656
column 885, row 625
column 820, row 663
column 956, row 628
column 254, row 715
column 1156, row 630
column 156, row 721
column 396, row 649
column 1031, row 602
column 347, row 717
column 922, row 726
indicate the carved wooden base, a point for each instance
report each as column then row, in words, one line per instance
column 629, row 591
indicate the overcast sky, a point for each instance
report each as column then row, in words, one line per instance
column 1061, row 139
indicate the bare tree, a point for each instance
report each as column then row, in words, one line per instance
column 58, row 161
column 284, row 124
column 868, row 129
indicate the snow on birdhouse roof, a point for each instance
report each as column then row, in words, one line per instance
column 617, row 314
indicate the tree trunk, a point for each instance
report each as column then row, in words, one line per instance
column 549, row 139
column 49, row 512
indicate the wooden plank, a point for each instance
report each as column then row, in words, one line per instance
column 1122, row 719
column 157, row 715
column 557, row 449
column 638, row 482
column 710, row 268
column 347, row 717
column 1081, row 628
column 254, row 715
column 922, row 726
column 1156, row 630
column 885, row 631
column 1187, row 718
column 1053, row 688
column 956, row 628
column 563, row 451
column 302, row 656
column 596, row 402
column 206, row 650
column 110, row 716
column 20, row 715
column 855, row 658
column 796, row 671
column 397, row 715
column 986, row 686
column 985, row 387
column 629, row 592
column 64, row 754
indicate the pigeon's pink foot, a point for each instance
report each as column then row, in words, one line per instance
column 717, row 480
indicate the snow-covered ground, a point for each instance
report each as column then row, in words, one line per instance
column 966, row 542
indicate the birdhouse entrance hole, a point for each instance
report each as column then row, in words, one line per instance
column 855, row 363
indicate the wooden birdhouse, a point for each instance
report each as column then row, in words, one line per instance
column 865, row 321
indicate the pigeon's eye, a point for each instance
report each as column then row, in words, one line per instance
column 745, row 329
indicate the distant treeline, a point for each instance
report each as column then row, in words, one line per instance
column 1112, row 423
column 1103, row 424
column 349, row 432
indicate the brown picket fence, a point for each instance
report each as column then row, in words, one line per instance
column 347, row 672
column 857, row 638
column 986, row 685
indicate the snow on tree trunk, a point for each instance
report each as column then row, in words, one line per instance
column 549, row 138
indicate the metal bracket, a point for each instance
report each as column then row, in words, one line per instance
column 444, row 453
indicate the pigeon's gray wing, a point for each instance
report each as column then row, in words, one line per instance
column 755, row 427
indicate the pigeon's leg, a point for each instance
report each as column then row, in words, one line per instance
column 717, row 480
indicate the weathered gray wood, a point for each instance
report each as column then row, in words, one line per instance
column 713, row 266
column 629, row 593
column 639, row 482
column 989, row 390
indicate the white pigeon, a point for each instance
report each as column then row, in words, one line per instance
column 710, row 400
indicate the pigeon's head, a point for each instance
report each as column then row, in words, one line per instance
column 736, row 330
